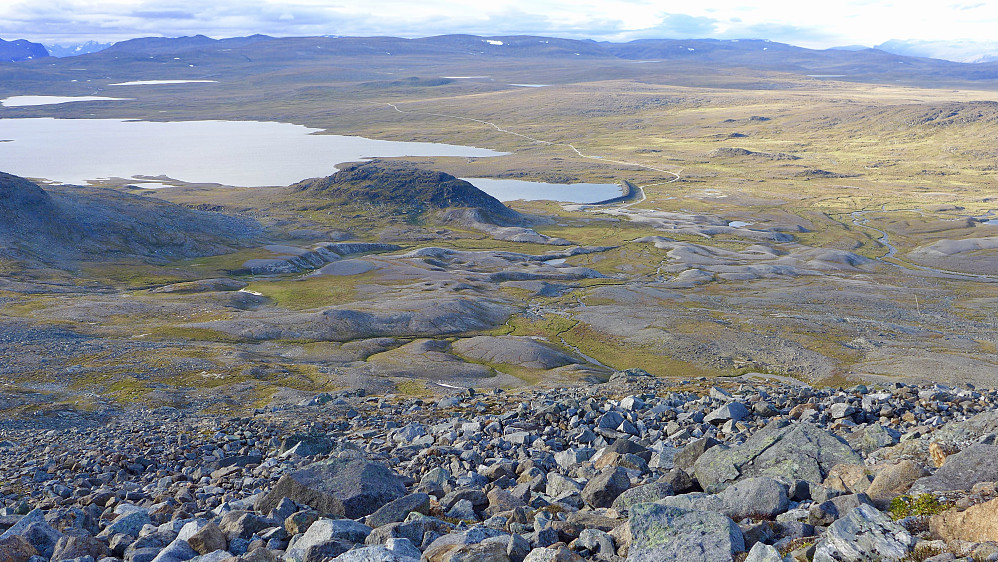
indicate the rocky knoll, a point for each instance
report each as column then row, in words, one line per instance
column 637, row 468
column 400, row 186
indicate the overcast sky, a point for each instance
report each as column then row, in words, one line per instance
column 799, row 22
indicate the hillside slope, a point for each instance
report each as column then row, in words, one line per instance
column 78, row 223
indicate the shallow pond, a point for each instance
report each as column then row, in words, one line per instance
column 26, row 101
column 512, row 190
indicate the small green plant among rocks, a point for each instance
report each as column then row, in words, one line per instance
column 923, row 504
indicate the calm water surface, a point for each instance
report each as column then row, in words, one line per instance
column 511, row 190
column 236, row 153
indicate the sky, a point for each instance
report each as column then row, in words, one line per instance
column 798, row 22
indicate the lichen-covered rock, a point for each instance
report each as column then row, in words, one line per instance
column 669, row 533
column 800, row 451
column 865, row 534
column 642, row 494
column 755, row 497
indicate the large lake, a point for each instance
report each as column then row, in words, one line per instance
column 236, row 153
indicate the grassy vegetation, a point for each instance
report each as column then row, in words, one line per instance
column 313, row 292
column 920, row 505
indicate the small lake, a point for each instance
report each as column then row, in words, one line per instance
column 235, row 153
column 512, row 190
column 159, row 82
column 26, row 101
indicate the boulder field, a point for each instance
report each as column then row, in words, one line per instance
column 638, row 468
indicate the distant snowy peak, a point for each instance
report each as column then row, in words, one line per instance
column 76, row 49
column 958, row 51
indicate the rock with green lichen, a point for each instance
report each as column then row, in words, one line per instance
column 662, row 532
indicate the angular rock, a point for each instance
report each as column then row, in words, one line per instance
column 641, row 494
column 799, row 451
column 978, row 523
column 602, row 489
column 78, row 546
column 841, row 410
column 669, row 533
column 243, row 524
column 827, row 512
column 327, row 530
column 127, row 523
column 15, row 548
column 893, row 481
column 735, row 411
column 865, row 534
column 440, row 548
column 397, row 510
column 348, row 487
column 962, row 470
column 763, row 553
column 42, row 536
column 552, row 554
column 207, row 539
column 377, row 553
column 755, row 497
column 300, row 522
column 685, row 458
column 177, row 551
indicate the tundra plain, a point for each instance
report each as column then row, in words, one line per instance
column 831, row 230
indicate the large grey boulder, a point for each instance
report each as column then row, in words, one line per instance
column 77, row 546
column 661, row 532
column 348, row 487
column 606, row 486
column 397, row 550
column 799, row 451
column 864, row 534
column 763, row 553
column 642, row 494
column 15, row 548
column 755, row 497
column 129, row 523
column 961, row 471
column 444, row 546
column 326, row 531
column 33, row 516
column 177, row 551
column 243, row 524
column 398, row 510
column 733, row 411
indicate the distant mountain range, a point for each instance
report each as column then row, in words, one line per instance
column 75, row 49
column 954, row 51
column 20, row 50
column 853, row 63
